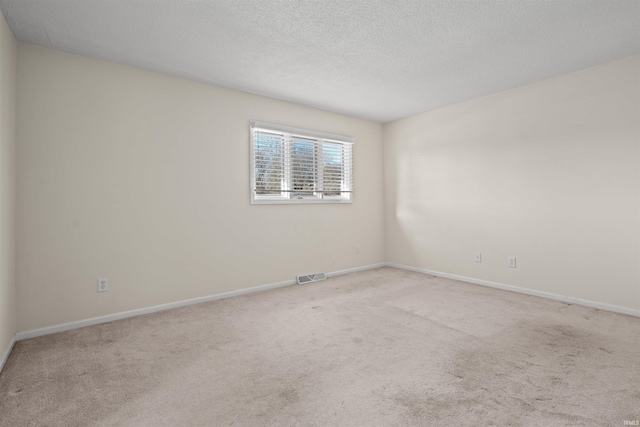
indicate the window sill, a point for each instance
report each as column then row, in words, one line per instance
column 299, row 201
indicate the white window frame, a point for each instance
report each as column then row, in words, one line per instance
column 319, row 138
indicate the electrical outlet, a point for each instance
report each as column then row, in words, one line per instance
column 357, row 249
column 478, row 256
column 511, row 262
column 103, row 284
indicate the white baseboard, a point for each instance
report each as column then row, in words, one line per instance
column 123, row 315
column 570, row 300
column 140, row 311
column 6, row 354
column 356, row 269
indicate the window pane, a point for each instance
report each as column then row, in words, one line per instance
column 303, row 167
column 332, row 171
column 269, row 164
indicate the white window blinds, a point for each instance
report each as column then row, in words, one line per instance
column 292, row 165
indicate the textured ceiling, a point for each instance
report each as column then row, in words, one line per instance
column 376, row 59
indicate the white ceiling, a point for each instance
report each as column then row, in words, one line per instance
column 376, row 59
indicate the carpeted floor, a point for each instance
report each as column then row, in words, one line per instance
column 382, row 347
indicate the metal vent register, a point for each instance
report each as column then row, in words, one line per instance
column 310, row 278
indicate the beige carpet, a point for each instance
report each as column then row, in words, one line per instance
column 382, row 347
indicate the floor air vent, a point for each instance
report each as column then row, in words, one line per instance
column 310, row 278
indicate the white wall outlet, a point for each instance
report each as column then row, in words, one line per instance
column 357, row 249
column 477, row 256
column 511, row 262
column 103, row 284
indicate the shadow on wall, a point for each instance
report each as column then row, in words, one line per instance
column 544, row 172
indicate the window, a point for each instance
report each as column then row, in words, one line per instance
column 291, row 165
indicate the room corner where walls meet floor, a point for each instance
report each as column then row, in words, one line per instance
column 382, row 346
column 24, row 335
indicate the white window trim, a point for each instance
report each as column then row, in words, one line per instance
column 292, row 131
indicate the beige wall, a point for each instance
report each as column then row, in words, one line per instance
column 548, row 172
column 144, row 179
column 7, row 186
